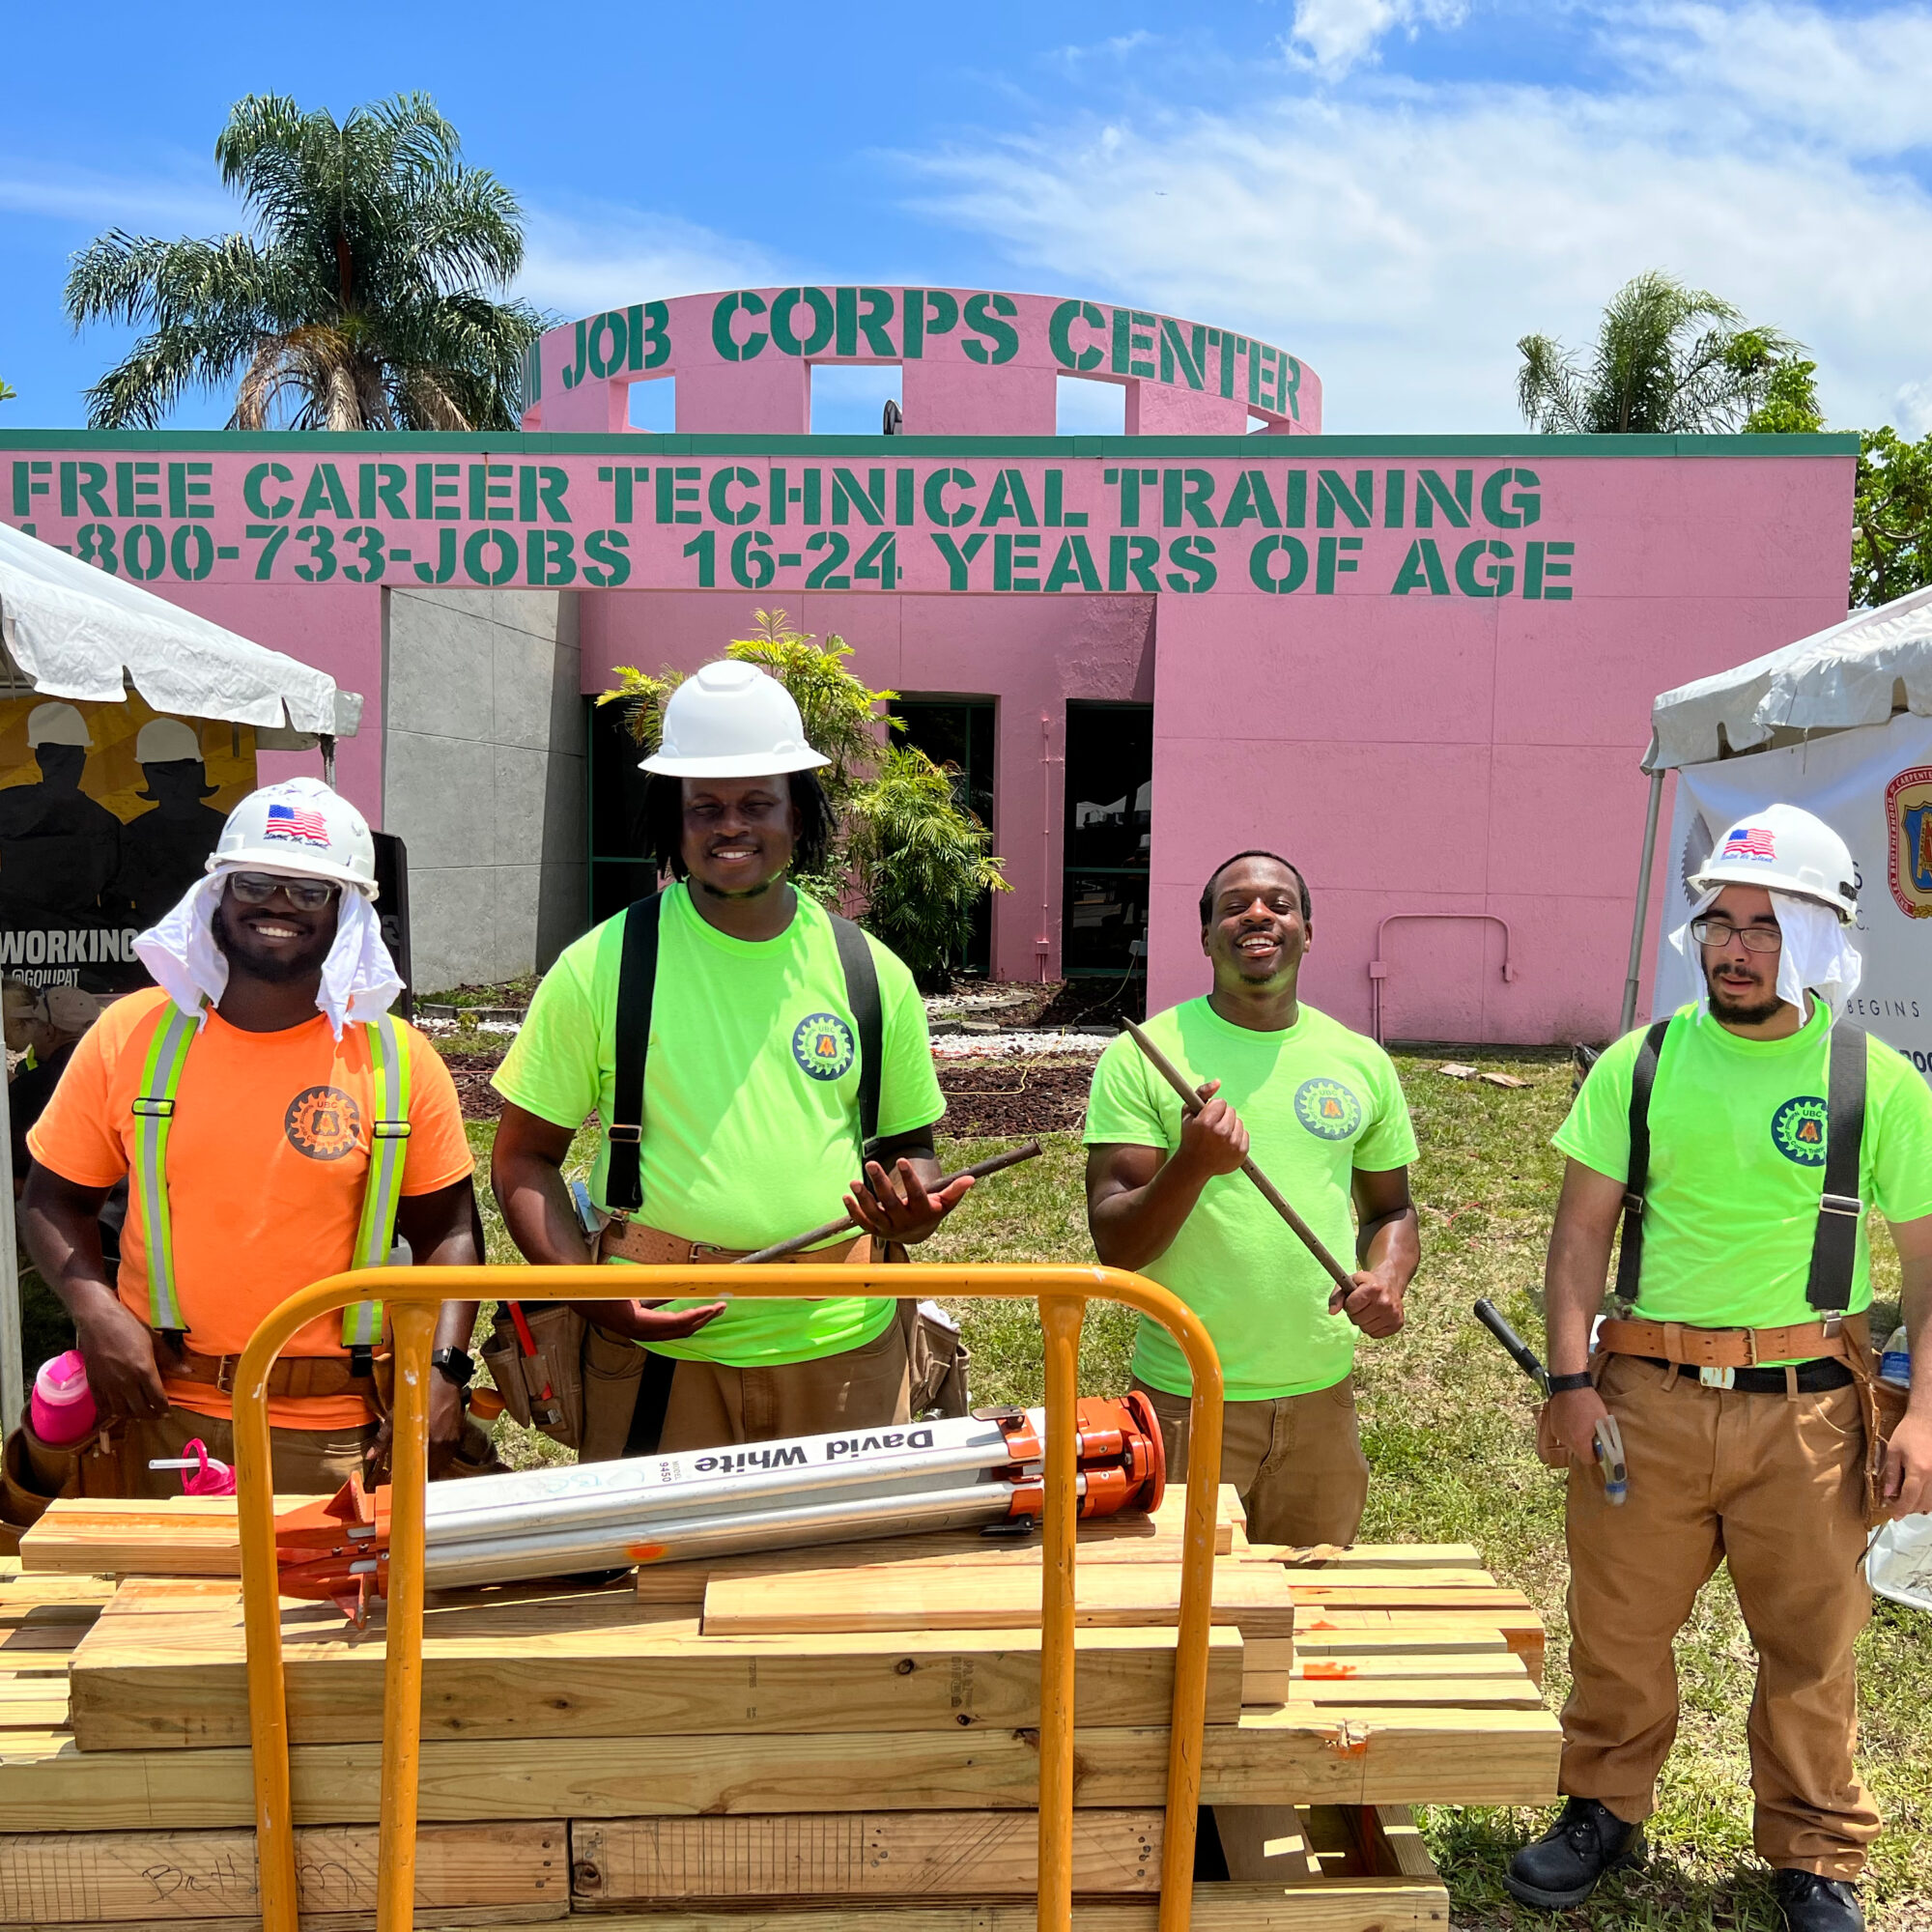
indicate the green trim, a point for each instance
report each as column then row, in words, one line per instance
column 1070, row 448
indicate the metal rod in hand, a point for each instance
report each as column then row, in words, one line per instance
column 1490, row 1317
column 815, row 1236
column 1190, row 1101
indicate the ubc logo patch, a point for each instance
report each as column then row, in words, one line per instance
column 323, row 1122
column 822, row 1046
column 1797, row 1130
column 1327, row 1109
column 1908, row 821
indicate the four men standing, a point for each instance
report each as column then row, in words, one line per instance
column 747, row 1054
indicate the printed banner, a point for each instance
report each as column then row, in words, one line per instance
column 108, row 814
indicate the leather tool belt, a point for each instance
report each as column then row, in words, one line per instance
column 651, row 1247
column 292, row 1376
column 1729, row 1347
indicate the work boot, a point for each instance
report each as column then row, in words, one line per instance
column 1809, row 1903
column 1562, row 1868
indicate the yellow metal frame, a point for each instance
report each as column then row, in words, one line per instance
column 413, row 1296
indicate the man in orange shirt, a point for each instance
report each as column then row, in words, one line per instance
column 276, row 1125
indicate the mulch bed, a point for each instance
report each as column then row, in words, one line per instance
column 472, row 1073
column 1004, row 1097
column 1010, row 1097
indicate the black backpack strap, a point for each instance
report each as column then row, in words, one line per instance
column 1834, row 1247
column 869, row 1021
column 637, row 986
column 1643, row 1077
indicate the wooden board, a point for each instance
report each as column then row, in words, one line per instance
column 1503, row 1757
column 1113, row 1538
column 1264, row 1842
column 854, row 1855
column 187, row 1536
column 984, row 1596
column 600, row 1666
column 1369, row 1555
column 74, row 1878
column 1316, row 1905
column 428, row 1919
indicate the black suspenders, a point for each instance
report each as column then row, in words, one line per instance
column 637, row 986
column 1834, row 1245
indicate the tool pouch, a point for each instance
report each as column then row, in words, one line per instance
column 937, row 1359
column 613, row 1369
column 1884, row 1407
column 521, row 1379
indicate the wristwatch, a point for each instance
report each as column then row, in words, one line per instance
column 1566, row 1384
column 458, row 1365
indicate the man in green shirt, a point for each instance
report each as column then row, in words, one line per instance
column 752, row 1091
column 1324, row 1115
column 1741, row 1382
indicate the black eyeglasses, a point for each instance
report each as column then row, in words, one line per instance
column 257, row 889
column 1721, row 933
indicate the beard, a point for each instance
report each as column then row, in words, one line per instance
column 272, row 969
column 1750, row 1009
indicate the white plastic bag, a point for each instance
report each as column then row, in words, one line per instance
column 1899, row 1561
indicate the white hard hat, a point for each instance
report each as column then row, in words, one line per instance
column 732, row 721
column 1784, row 850
column 299, row 827
column 57, row 725
column 165, row 741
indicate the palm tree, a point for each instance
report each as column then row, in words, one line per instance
column 7, row 395
column 357, row 301
column 1669, row 359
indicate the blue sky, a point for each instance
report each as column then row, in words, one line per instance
column 1395, row 190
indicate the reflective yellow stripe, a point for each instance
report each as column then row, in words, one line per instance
column 381, row 1190
column 148, row 1176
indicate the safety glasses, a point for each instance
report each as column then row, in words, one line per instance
column 257, row 889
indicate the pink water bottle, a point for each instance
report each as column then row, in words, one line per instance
column 62, row 1404
column 202, row 1474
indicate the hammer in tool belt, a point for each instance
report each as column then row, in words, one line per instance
column 1608, row 1441
column 1191, row 1104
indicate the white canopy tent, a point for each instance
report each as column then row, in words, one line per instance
column 1863, row 675
column 68, row 630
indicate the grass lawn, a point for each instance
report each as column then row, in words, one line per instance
column 1447, row 1426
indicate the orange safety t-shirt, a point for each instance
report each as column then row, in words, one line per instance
column 268, row 1153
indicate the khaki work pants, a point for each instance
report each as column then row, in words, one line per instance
column 1296, row 1461
column 867, row 1387
column 1770, row 1485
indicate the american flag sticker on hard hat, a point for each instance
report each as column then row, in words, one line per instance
column 1749, row 841
column 300, row 826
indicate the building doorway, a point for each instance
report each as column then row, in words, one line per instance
column 616, row 814
column 959, row 732
column 1108, row 818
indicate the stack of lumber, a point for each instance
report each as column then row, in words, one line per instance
column 761, row 1741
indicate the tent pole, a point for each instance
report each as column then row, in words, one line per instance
column 13, row 1373
column 327, row 744
column 1628, row 1017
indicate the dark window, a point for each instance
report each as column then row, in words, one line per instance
column 958, row 732
column 1109, row 793
column 617, row 875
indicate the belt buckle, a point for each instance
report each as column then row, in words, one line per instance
column 1717, row 1378
column 224, row 1374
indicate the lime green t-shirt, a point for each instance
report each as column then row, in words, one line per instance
column 750, row 1099
column 1737, row 1164
column 1319, row 1102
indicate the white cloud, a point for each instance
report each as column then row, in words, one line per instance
column 591, row 258
column 108, row 200
column 1401, row 237
column 1334, row 35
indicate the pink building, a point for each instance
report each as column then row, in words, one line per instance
column 1419, row 667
